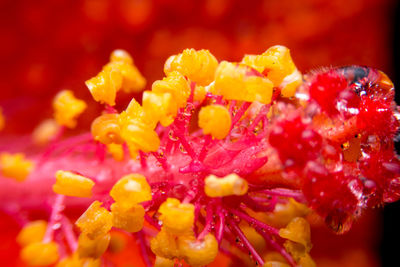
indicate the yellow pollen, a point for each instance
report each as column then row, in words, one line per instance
column 72, row 184
column 199, row 66
column 95, row 221
column 240, row 82
column 15, row 166
column 215, row 120
column 32, row 232
column 67, row 108
column 128, row 218
column 39, row 254
column 229, row 185
column 131, row 189
column 177, row 217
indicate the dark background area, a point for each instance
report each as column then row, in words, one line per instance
column 390, row 245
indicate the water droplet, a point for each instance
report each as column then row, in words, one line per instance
column 182, row 149
column 172, row 136
column 56, row 226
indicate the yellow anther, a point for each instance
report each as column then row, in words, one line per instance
column 72, row 184
column 135, row 111
column 118, row 242
column 15, row 166
column 75, row 261
column 160, row 107
column 198, row 252
column 127, row 217
column 117, row 151
column 39, row 254
column 298, row 230
column 273, row 256
column 254, row 237
column 277, row 64
column 131, row 189
column 32, row 232
column 120, row 55
column 199, row 93
column 177, row 217
column 2, row 119
column 45, row 132
column 295, row 249
column 240, row 82
column 132, row 80
column 215, row 120
column 165, row 245
column 67, row 108
column 95, row 221
column 137, row 129
column 306, row 261
column 275, row 264
column 199, row 66
column 299, row 254
column 285, row 212
column 229, row 185
column 290, row 84
column 106, row 129
column 92, row 248
column 163, row 262
column 140, row 136
column 175, row 84
column 105, row 85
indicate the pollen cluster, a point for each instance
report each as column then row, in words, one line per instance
column 214, row 158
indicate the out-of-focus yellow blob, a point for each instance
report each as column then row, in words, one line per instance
column 215, row 120
column 285, row 212
column 199, row 66
column 15, row 166
column 118, row 242
column 75, row 261
column 67, row 108
column 32, row 232
column 39, row 253
column 117, row 151
column 229, row 185
column 163, row 262
column 200, row 93
column 164, row 244
column 198, row 252
column 298, row 230
column 72, row 184
column 241, row 82
column 299, row 254
column 128, row 218
column 275, row 264
column 254, row 237
column 95, row 221
column 131, row 189
column 177, row 217
column 45, row 132
column 2, row 120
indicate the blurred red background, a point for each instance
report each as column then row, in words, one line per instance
column 46, row 46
